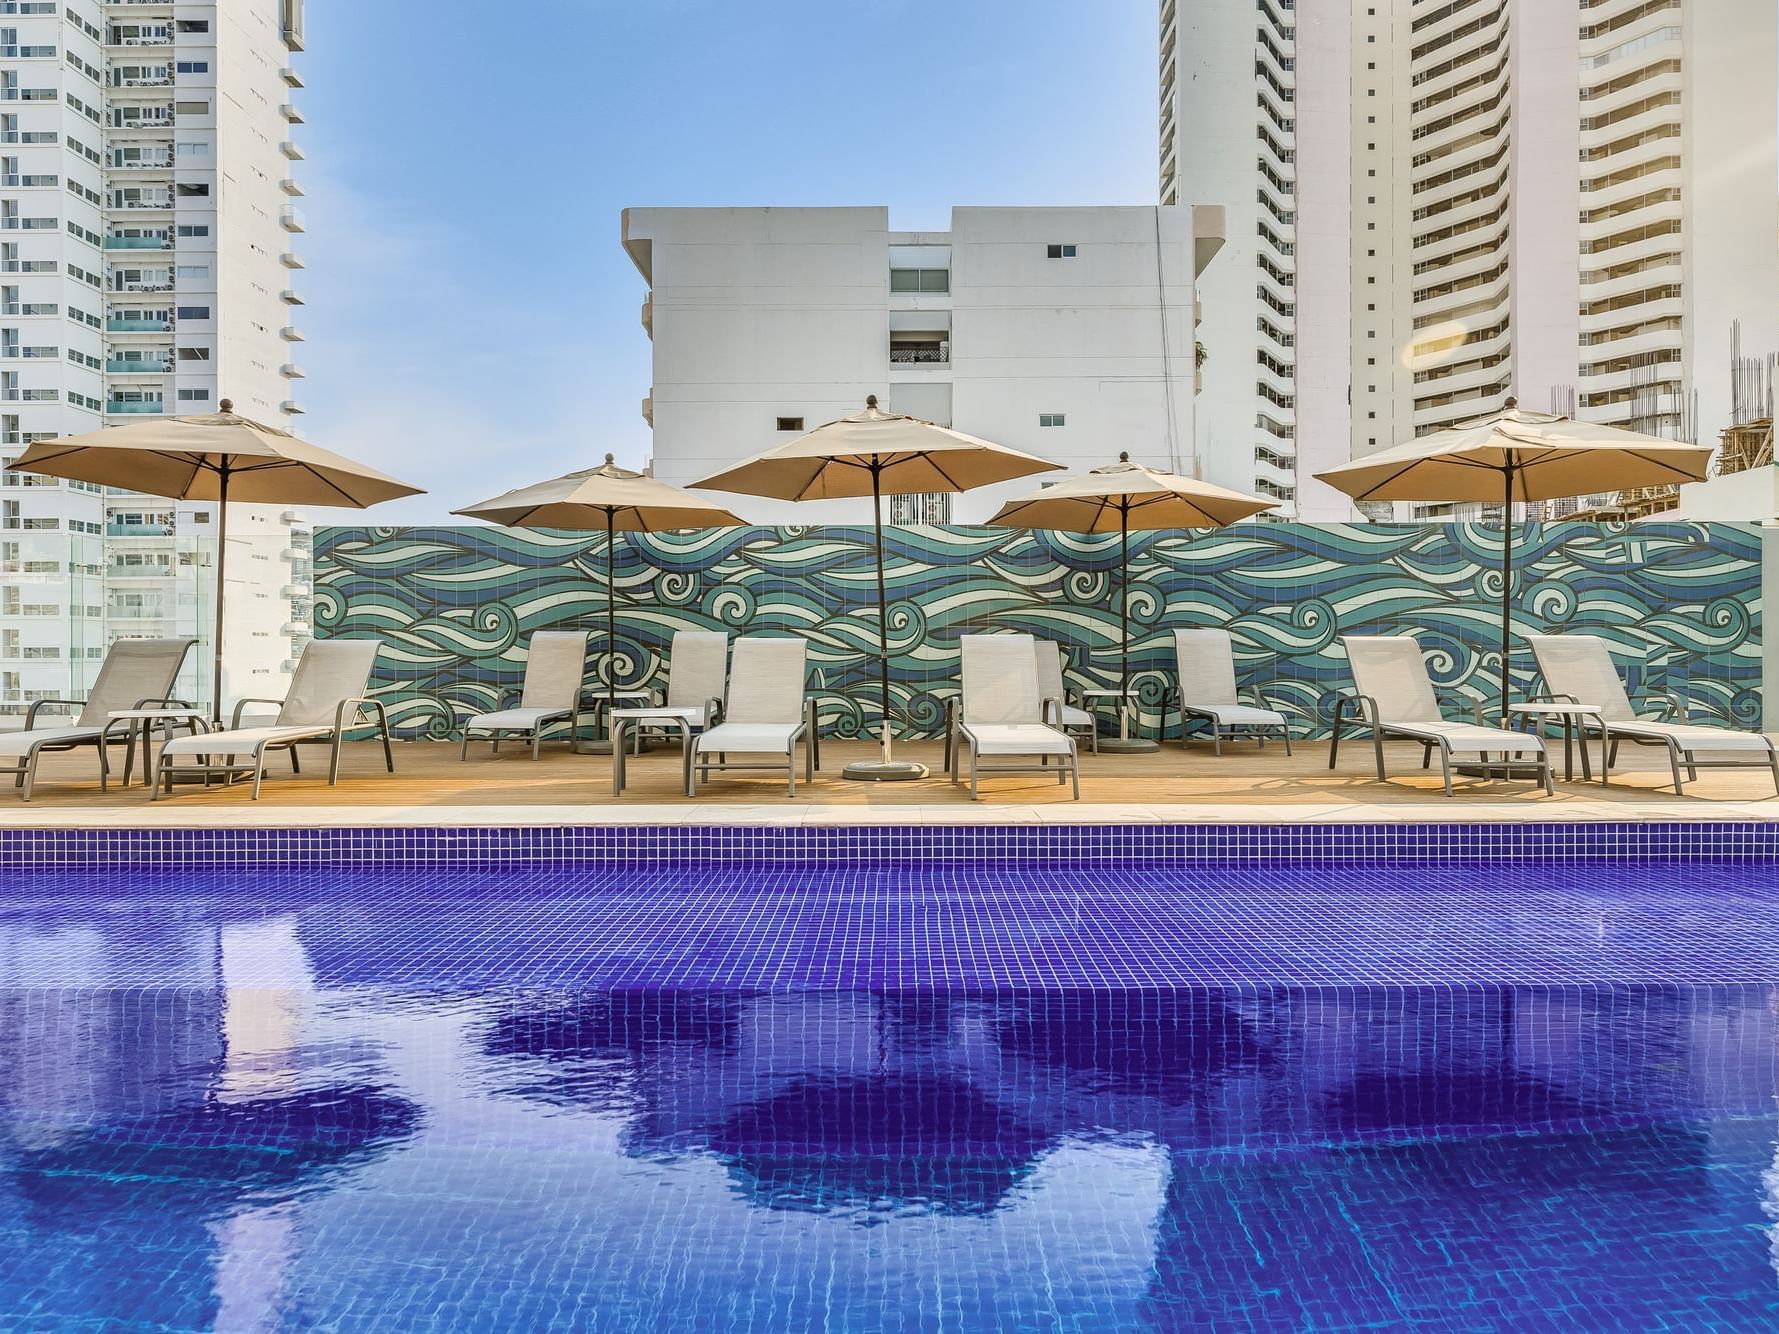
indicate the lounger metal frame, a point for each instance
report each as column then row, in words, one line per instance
column 166, row 771
column 1365, row 713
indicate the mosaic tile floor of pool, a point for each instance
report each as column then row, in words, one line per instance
column 734, row 926
column 1073, row 1096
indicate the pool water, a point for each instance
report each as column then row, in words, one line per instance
column 702, row 1098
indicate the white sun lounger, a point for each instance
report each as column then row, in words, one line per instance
column 555, row 667
column 1578, row 669
column 1071, row 718
column 327, row 696
column 1205, row 691
column 1394, row 696
column 136, row 674
column 1002, row 713
column 766, row 713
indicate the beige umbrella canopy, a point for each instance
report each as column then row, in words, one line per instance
column 1511, row 456
column 218, row 456
column 607, row 497
column 876, row 453
column 1117, row 498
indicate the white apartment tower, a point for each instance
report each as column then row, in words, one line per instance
column 146, row 254
column 1570, row 202
column 1065, row 332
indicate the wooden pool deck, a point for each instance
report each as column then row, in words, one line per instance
column 431, row 785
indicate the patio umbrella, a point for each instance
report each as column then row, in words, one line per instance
column 217, row 456
column 1512, row 455
column 876, row 453
column 1115, row 499
column 610, row 498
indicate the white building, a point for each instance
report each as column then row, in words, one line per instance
column 1566, row 201
column 145, row 267
column 1066, row 332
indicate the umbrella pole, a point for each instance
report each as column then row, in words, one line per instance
column 884, row 769
column 1124, row 743
column 611, row 623
column 1506, row 587
column 222, row 549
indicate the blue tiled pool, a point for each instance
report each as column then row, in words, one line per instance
column 387, row 1085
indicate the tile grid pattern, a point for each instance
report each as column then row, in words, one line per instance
column 1232, row 844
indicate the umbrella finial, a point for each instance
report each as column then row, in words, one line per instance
column 610, row 458
column 1512, row 402
column 870, row 400
column 226, row 405
column 1124, row 456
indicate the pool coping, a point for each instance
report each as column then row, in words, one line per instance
column 170, row 816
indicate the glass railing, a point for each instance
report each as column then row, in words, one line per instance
column 118, row 406
column 124, row 325
column 137, row 243
column 129, row 367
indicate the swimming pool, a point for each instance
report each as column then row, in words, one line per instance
column 1085, row 1079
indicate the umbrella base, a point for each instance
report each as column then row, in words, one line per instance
column 1128, row 745
column 604, row 747
column 885, row 771
column 1530, row 773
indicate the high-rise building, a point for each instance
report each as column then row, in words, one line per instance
column 146, row 253
column 1569, row 202
column 1065, row 332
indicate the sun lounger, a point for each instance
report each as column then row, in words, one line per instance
column 1070, row 718
column 1394, row 697
column 327, row 696
column 766, row 713
column 1002, row 714
column 1205, row 691
column 1578, row 669
column 555, row 667
column 136, row 674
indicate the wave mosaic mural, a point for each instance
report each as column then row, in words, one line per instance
column 1681, row 603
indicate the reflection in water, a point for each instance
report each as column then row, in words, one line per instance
column 1316, row 1158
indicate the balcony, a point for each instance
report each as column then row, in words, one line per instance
column 292, row 407
column 291, row 371
column 291, row 260
column 144, row 285
column 138, row 243
column 920, row 354
column 291, row 151
column 137, row 324
column 144, row 81
column 139, row 39
column 290, row 187
column 138, row 366
column 158, row 203
column 291, row 219
column 122, row 408
column 291, row 78
column 290, row 113
column 142, row 164
column 291, row 297
column 291, row 334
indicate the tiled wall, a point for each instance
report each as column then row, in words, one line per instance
column 1681, row 602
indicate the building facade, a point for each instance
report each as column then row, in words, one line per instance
column 146, row 259
column 1065, row 332
column 1568, row 202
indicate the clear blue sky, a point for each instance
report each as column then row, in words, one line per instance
column 471, row 318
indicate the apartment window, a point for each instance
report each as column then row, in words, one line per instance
column 194, row 271
column 194, row 25
column 193, row 229
column 790, row 423
column 194, row 395
column 1051, row 419
column 1371, row 64
column 192, row 149
column 194, row 354
column 920, row 280
column 1371, row 361
column 191, row 108
column 189, row 190
column 192, row 67
column 1058, row 250
column 194, row 312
